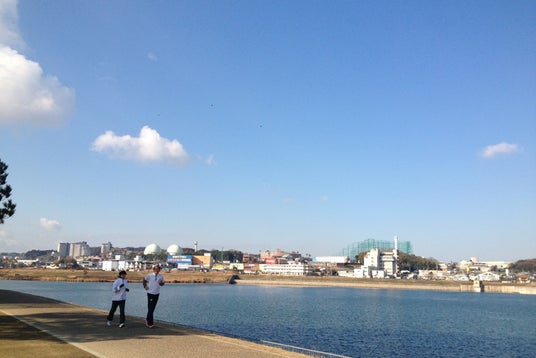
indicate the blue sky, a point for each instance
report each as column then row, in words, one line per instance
column 256, row 125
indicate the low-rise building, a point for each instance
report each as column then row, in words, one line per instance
column 339, row 260
column 291, row 269
column 28, row 262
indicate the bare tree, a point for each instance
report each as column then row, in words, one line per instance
column 7, row 207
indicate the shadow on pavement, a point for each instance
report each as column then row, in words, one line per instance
column 80, row 324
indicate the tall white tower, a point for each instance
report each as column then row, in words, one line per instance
column 195, row 246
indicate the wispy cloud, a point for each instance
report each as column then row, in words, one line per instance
column 151, row 56
column 28, row 95
column 148, row 147
column 49, row 225
column 9, row 24
column 6, row 239
column 210, row 160
column 497, row 149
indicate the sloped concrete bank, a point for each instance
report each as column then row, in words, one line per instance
column 449, row 286
column 524, row 289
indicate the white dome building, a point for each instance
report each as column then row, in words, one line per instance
column 152, row 249
column 174, row 250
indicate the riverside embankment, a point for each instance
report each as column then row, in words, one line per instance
column 433, row 285
column 243, row 279
column 108, row 276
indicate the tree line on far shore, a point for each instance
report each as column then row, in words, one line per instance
column 528, row 265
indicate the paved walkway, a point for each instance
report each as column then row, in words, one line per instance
column 84, row 329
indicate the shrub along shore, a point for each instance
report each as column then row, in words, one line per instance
column 191, row 277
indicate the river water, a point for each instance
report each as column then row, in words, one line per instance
column 348, row 322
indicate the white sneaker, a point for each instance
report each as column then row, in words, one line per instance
column 121, row 325
column 109, row 323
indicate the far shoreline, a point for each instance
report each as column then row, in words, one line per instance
column 225, row 277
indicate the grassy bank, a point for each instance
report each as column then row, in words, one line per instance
column 222, row 277
column 274, row 280
column 108, row 276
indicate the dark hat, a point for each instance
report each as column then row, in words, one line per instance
column 122, row 272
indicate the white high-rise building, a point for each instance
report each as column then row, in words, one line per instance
column 63, row 249
column 105, row 248
column 78, row 249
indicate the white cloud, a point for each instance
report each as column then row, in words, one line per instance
column 49, row 225
column 27, row 94
column 148, row 147
column 501, row 148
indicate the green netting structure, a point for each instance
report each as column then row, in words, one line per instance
column 365, row 246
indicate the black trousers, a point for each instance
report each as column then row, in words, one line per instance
column 152, row 300
column 121, row 305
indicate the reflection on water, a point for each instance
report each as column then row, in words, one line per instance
column 345, row 321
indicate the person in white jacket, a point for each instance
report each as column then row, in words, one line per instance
column 119, row 296
column 152, row 283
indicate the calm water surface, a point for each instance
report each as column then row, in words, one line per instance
column 344, row 321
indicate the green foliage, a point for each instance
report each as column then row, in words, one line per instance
column 38, row 254
column 528, row 265
column 7, row 207
column 130, row 255
column 161, row 257
column 360, row 259
column 414, row 263
column 201, row 252
column 70, row 263
column 230, row 255
column 408, row 262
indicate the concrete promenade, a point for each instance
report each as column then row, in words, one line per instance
column 37, row 326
